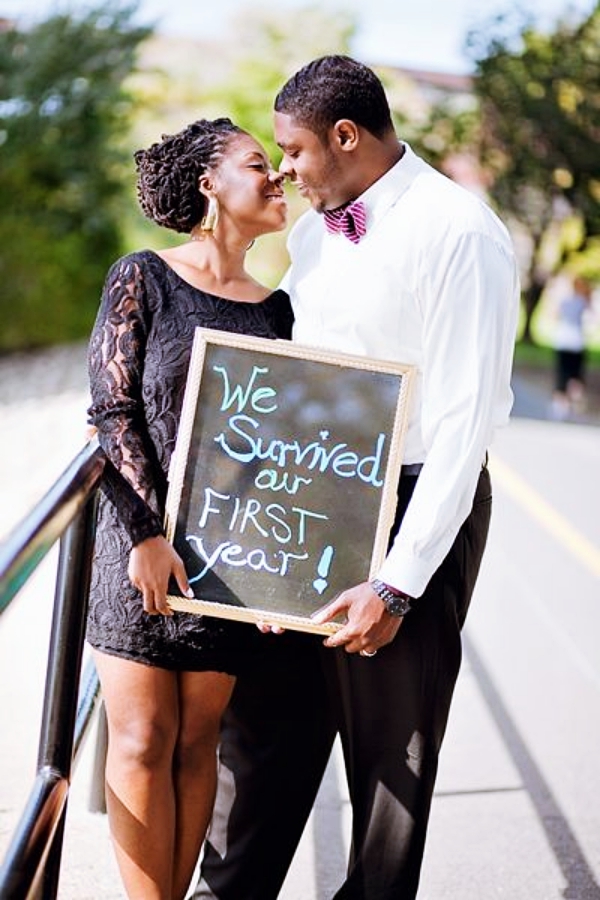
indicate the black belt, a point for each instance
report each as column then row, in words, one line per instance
column 415, row 468
column 411, row 469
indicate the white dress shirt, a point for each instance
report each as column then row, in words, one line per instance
column 433, row 283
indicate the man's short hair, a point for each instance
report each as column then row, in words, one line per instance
column 332, row 88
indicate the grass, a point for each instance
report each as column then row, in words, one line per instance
column 540, row 356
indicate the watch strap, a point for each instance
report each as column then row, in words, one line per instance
column 396, row 602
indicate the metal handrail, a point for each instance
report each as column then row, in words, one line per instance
column 27, row 545
column 68, row 511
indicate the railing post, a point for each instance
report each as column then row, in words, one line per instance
column 64, row 669
column 30, row 868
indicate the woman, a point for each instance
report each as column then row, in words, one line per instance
column 167, row 677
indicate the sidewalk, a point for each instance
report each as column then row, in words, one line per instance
column 533, row 387
column 485, row 840
column 478, row 801
column 487, row 837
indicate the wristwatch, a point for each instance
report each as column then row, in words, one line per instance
column 396, row 602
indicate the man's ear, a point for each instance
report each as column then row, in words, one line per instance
column 346, row 135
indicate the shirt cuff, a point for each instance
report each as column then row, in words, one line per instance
column 405, row 573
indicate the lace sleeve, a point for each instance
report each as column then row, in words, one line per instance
column 116, row 363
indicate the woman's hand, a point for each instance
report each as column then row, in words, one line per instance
column 151, row 564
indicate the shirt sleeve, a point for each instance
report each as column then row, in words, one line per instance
column 115, row 364
column 470, row 305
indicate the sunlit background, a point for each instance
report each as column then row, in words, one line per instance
column 503, row 100
column 427, row 34
column 469, row 85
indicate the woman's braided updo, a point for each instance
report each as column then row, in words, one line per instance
column 168, row 172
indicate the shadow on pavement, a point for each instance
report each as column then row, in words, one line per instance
column 579, row 877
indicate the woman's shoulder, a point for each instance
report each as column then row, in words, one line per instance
column 278, row 295
column 138, row 275
column 278, row 300
column 139, row 272
column 280, row 308
column 141, row 260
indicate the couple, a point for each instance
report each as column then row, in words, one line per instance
column 392, row 261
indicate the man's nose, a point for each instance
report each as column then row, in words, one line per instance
column 286, row 170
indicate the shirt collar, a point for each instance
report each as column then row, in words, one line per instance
column 384, row 192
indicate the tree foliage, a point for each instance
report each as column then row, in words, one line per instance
column 273, row 45
column 181, row 81
column 64, row 113
column 539, row 97
column 279, row 43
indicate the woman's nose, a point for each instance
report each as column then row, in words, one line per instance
column 277, row 177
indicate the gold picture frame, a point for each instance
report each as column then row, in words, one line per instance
column 283, row 483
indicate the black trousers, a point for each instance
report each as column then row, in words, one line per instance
column 569, row 366
column 391, row 711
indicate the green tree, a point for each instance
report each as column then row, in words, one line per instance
column 64, row 115
column 279, row 43
column 539, row 97
column 439, row 124
column 239, row 78
column 273, row 45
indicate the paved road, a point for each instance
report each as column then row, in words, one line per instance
column 515, row 814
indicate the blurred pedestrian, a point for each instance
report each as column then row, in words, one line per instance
column 569, row 346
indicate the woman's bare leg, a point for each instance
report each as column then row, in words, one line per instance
column 161, row 770
column 203, row 697
column 143, row 720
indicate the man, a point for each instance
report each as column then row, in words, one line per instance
column 420, row 272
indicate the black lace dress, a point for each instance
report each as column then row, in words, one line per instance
column 138, row 358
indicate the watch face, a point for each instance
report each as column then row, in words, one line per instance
column 399, row 608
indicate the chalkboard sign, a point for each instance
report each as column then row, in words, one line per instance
column 283, row 482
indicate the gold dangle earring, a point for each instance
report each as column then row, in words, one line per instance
column 211, row 216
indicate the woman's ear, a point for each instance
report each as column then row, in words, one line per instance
column 205, row 185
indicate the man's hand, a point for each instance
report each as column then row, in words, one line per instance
column 369, row 625
column 151, row 564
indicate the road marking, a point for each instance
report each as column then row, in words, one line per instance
column 529, row 595
column 583, row 549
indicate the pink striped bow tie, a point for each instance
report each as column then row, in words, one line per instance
column 350, row 219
